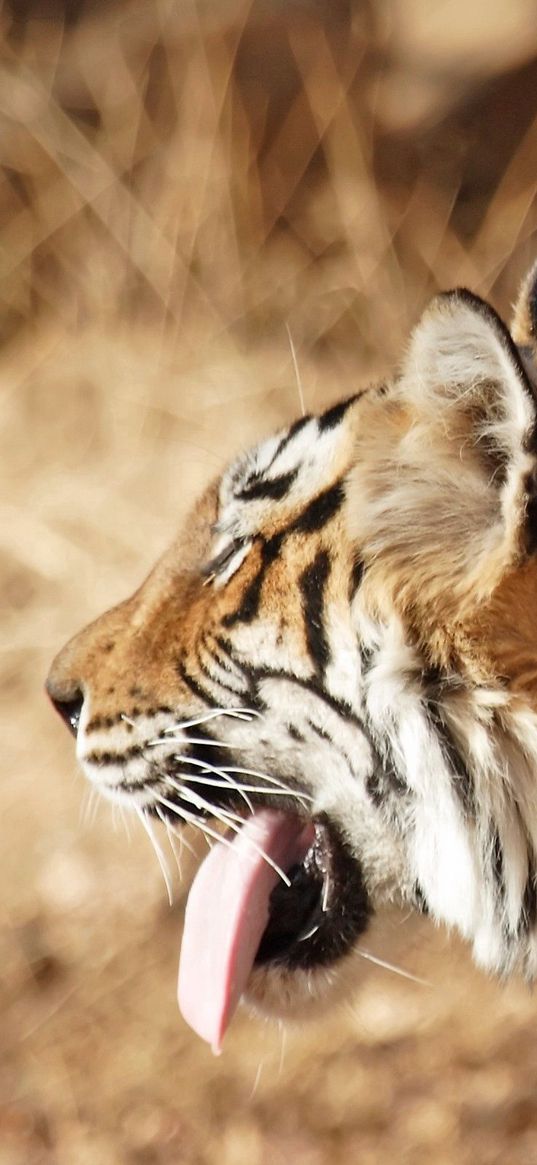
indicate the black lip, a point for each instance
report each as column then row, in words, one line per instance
column 316, row 920
column 296, row 911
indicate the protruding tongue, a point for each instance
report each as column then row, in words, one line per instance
column 226, row 914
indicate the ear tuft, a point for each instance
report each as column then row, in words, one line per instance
column 524, row 323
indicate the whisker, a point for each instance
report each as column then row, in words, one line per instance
column 156, row 740
column 85, row 803
column 226, row 816
column 215, row 743
column 301, row 938
column 227, row 770
column 96, row 805
column 283, row 1047
column 236, row 713
column 237, row 787
column 171, row 838
column 296, row 370
column 263, row 776
column 126, row 820
column 180, row 837
column 391, row 967
column 191, row 819
column 222, row 814
column 208, row 768
column 218, row 836
column 88, row 807
column 257, row 1078
column 272, row 780
column 158, row 852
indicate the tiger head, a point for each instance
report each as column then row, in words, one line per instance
column 333, row 674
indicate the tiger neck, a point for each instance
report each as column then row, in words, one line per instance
column 458, row 778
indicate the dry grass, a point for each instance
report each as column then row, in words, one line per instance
column 185, row 185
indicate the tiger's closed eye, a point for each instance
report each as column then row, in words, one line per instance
column 227, row 561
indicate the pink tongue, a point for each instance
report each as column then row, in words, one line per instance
column 226, row 914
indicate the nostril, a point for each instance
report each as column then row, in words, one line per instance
column 69, row 709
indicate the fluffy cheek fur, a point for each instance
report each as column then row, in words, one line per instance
column 507, row 627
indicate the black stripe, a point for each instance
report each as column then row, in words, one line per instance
column 320, row 511
column 420, row 899
column 99, row 722
column 382, row 782
column 333, row 416
column 497, row 864
column 459, row 773
column 274, row 488
column 366, row 657
column 191, row 683
column 321, row 732
column 357, row 574
column 249, row 607
column 256, row 675
column 207, row 673
column 222, row 659
column 226, row 647
column 532, row 306
column 528, row 914
column 291, row 432
column 434, row 679
column 391, row 781
column 324, row 735
column 215, row 655
column 312, row 583
column 97, row 757
column 313, row 518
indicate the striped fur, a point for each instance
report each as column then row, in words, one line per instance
column 363, row 586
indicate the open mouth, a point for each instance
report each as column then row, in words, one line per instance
column 313, row 921
column 281, row 892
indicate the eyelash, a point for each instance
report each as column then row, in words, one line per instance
column 217, row 565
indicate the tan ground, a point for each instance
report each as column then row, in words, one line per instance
column 185, row 186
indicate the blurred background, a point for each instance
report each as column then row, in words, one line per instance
column 192, row 191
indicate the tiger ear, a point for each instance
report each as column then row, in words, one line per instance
column 464, row 374
column 443, row 491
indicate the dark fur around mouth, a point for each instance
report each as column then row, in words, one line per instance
column 317, row 919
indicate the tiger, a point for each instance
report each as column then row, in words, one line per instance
column 332, row 674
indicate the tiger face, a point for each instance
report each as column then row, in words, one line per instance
column 333, row 674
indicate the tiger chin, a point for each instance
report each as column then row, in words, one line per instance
column 332, row 673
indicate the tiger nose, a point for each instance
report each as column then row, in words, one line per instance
column 68, row 706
